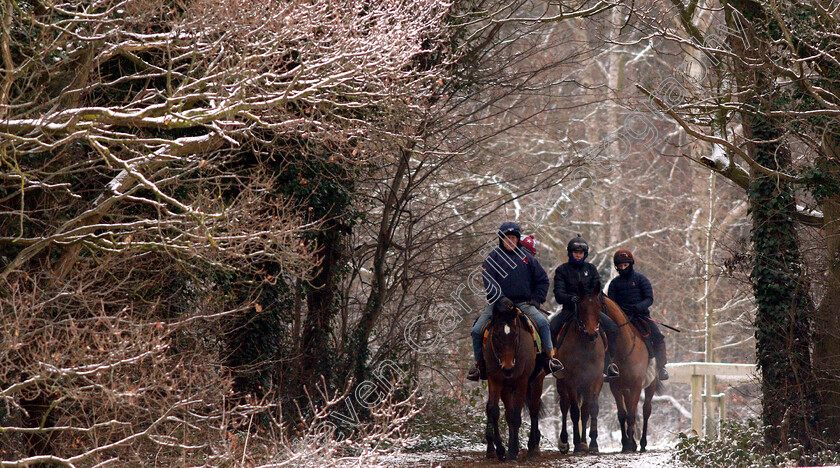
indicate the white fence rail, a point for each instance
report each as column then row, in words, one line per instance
column 694, row 373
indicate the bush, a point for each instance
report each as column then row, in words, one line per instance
column 741, row 445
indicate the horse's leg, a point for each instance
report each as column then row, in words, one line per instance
column 575, row 410
column 584, row 420
column 563, row 445
column 646, row 413
column 513, row 416
column 622, row 414
column 632, row 411
column 494, row 439
column 534, row 404
column 593, row 414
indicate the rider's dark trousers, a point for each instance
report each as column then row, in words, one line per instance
column 657, row 339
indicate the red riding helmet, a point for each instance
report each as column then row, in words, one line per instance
column 530, row 244
column 623, row 256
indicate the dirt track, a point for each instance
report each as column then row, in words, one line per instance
column 652, row 459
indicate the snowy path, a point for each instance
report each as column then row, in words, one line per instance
column 656, row 458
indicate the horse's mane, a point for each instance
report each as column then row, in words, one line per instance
column 614, row 311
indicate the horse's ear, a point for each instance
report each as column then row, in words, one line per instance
column 596, row 288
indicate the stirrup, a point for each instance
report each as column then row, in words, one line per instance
column 554, row 366
column 612, row 371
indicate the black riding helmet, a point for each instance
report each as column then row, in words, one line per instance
column 578, row 244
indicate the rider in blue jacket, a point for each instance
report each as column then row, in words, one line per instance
column 509, row 271
column 632, row 292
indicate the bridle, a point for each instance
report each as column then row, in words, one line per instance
column 582, row 327
column 516, row 338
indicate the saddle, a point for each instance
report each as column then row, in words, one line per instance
column 531, row 327
column 644, row 329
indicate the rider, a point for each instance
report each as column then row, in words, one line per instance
column 521, row 279
column 633, row 293
column 567, row 278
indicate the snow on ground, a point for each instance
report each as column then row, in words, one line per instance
column 656, row 457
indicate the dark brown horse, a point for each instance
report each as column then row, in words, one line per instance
column 582, row 352
column 637, row 372
column 510, row 356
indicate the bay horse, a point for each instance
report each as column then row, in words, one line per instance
column 582, row 354
column 510, row 356
column 638, row 372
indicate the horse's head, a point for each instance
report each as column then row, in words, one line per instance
column 505, row 335
column 589, row 311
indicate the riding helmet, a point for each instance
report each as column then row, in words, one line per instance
column 578, row 243
column 623, row 256
column 530, row 244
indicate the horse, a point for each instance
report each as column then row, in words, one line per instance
column 638, row 372
column 582, row 353
column 510, row 357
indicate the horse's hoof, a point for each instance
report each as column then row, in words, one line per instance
column 500, row 454
column 593, row 449
column 581, row 448
column 491, row 453
column 533, row 453
column 512, row 456
column 563, row 447
column 643, row 449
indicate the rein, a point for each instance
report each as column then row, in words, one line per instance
column 604, row 305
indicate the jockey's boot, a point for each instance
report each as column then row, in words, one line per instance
column 478, row 371
column 661, row 360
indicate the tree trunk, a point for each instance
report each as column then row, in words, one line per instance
column 391, row 211
column 317, row 355
column 827, row 318
column 781, row 291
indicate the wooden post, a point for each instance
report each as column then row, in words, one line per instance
column 711, row 407
column 697, row 404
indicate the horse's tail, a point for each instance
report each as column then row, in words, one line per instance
column 526, row 409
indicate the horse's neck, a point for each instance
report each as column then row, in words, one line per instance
column 624, row 327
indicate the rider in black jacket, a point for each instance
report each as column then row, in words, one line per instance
column 567, row 278
column 633, row 293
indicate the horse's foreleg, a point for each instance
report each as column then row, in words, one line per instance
column 584, row 420
column 534, row 404
column 563, row 444
column 632, row 411
column 494, row 439
column 593, row 425
column 575, row 410
column 622, row 416
column 513, row 416
column 649, row 392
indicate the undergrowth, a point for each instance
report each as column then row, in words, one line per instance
column 741, row 445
